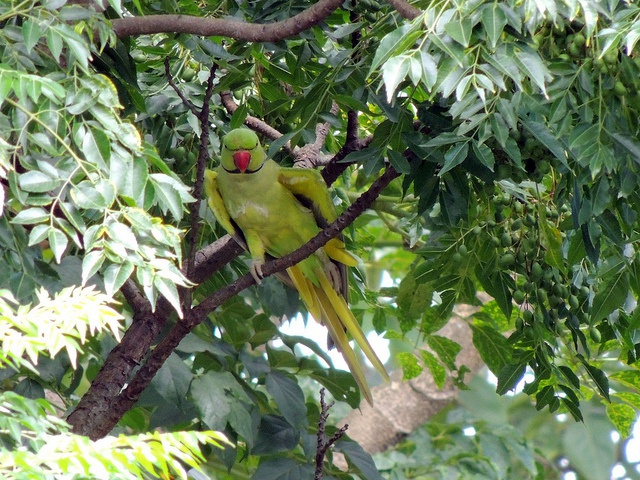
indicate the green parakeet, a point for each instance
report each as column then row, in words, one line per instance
column 276, row 210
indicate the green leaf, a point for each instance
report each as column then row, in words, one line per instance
column 31, row 216
column 214, row 395
column 446, row 349
column 31, row 32
column 362, row 460
column 460, row 30
column 493, row 20
column 429, row 69
column 492, row 347
column 484, row 154
column 454, row 157
column 169, row 291
column 115, row 275
column 58, row 242
column 283, row 468
column 173, row 380
column 96, row 148
column 394, row 71
column 85, row 195
column 340, row 383
column 91, row 263
column 598, row 377
column 275, row 435
column 394, row 43
column 438, row 372
column 623, row 418
column 399, row 162
column 409, row 364
column 509, row 377
column 611, row 295
column 532, row 65
column 546, row 138
column 630, row 378
column 36, row 181
column 289, row 397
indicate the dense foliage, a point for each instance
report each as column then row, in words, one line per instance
column 513, row 128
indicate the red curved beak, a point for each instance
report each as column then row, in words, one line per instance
column 241, row 159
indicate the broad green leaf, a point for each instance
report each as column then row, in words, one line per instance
column 589, row 445
column 492, row 347
column 275, row 435
column 31, row 216
column 289, row 397
column 38, row 234
column 37, row 182
column 394, row 43
column 212, row 394
column 91, row 263
column 362, row 460
column 446, row 349
column 173, row 380
column 438, row 372
column 493, row 20
column 460, row 29
column 169, row 291
column 544, row 136
column 611, row 295
column 532, row 65
column 598, row 376
column 484, row 155
column 58, row 242
column 623, row 418
column 399, row 161
column 409, row 365
column 429, row 69
column 115, row 275
column 85, row 195
column 509, row 377
column 454, row 157
column 630, row 378
column 96, row 148
column 283, row 468
column 31, row 32
column 394, row 71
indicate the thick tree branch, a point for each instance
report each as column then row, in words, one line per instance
column 405, row 9
column 122, row 403
column 250, row 32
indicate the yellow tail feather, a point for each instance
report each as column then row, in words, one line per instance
column 340, row 307
column 335, row 249
column 337, row 332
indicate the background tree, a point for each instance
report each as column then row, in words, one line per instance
column 473, row 146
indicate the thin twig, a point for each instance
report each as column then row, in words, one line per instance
column 185, row 100
column 325, row 444
column 201, row 164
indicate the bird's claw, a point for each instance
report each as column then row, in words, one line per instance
column 256, row 270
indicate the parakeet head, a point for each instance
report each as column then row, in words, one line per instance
column 242, row 152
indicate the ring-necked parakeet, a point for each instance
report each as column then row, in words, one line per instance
column 276, row 210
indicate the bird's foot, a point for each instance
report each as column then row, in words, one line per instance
column 256, row 270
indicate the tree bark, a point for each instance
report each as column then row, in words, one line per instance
column 403, row 406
